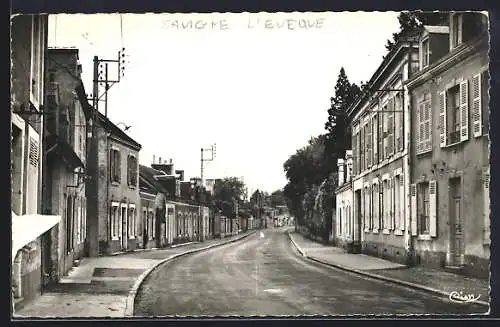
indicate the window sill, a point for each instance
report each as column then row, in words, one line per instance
column 422, row 153
column 398, row 232
column 386, row 232
column 454, row 144
column 115, row 183
column 424, row 237
column 115, row 238
column 375, row 231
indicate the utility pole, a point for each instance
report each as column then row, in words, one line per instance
column 92, row 193
column 202, row 160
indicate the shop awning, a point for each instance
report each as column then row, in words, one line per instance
column 27, row 228
column 65, row 152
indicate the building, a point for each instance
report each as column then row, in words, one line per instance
column 155, row 227
column 34, row 254
column 343, row 224
column 113, row 189
column 380, row 128
column 64, row 172
column 450, row 216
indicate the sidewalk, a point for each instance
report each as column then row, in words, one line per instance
column 431, row 280
column 105, row 286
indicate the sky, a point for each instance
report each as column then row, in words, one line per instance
column 256, row 85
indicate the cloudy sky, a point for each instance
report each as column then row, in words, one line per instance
column 257, row 85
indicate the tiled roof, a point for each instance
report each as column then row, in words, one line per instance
column 148, row 173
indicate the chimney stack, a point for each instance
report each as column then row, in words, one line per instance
column 340, row 165
column 348, row 173
column 159, row 160
column 154, row 158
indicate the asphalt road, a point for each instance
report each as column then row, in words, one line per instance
column 265, row 277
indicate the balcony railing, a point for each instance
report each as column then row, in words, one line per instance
column 454, row 137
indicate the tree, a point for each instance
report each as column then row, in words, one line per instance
column 228, row 191
column 277, row 198
column 409, row 21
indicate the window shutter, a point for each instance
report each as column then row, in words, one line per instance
column 464, row 110
column 111, row 165
column 442, row 119
column 118, row 166
column 392, row 139
column 486, row 210
column 401, row 124
column 355, row 154
column 128, row 170
column 380, row 137
column 402, row 202
column 427, row 126
column 385, row 123
column 433, row 208
column 369, row 142
column 413, row 194
column 477, row 123
column 391, row 204
column 420, row 131
column 365, row 205
column 375, row 141
column 376, row 196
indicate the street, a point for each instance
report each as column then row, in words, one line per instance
column 265, row 276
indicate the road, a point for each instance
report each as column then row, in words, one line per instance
column 265, row 276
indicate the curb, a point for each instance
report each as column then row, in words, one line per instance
column 377, row 276
column 129, row 306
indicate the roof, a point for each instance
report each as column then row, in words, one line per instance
column 403, row 42
column 444, row 29
column 105, row 122
column 148, row 173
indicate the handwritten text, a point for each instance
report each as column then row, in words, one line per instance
column 459, row 297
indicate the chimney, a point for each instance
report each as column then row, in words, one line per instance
column 348, row 173
column 154, row 158
column 159, row 160
column 170, row 160
column 340, row 165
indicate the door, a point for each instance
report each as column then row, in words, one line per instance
column 124, row 222
column 357, row 217
column 456, row 224
column 46, row 258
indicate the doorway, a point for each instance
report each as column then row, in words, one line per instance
column 358, row 223
column 457, row 247
column 124, row 236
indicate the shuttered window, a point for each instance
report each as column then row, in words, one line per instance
column 424, row 125
column 369, row 144
column 390, row 126
column 375, row 139
column 477, row 121
column 114, row 166
column 380, row 136
column 443, row 128
column 374, row 201
column 413, row 209
column 433, row 208
column 464, row 110
column 355, row 153
column 132, row 170
column 401, row 203
column 33, row 152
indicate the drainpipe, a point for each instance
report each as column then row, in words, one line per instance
column 410, row 245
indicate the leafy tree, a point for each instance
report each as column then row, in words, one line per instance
column 277, row 198
column 226, row 192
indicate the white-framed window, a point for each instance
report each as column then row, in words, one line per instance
column 424, row 208
column 145, row 222
column 114, row 165
column 114, row 220
column 374, row 222
column 424, row 124
column 132, row 170
column 132, row 221
column 398, row 197
column 425, row 52
column 385, row 205
column 151, row 224
column 454, row 114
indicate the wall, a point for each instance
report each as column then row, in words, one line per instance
column 147, row 205
column 465, row 160
column 344, row 200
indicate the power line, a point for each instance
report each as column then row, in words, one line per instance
column 121, row 29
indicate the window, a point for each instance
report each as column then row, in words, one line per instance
column 132, row 228
column 425, row 53
column 114, row 220
column 397, row 199
column 37, row 36
column 380, row 134
column 340, row 221
column 151, row 224
column 368, row 144
column 456, row 30
column 389, row 138
column 399, row 122
column 115, row 166
column 145, row 223
column 367, row 205
column 479, row 87
column 375, row 138
column 454, row 114
column 362, row 149
column 132, row 171
column 424, row 119
column 374, row 205
column 423, row 208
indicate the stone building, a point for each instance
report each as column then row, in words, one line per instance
column 113, row 189
column 450, row 216
column 64, row 172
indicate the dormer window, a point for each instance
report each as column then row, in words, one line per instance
column 456, row 30
column 425, row 53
